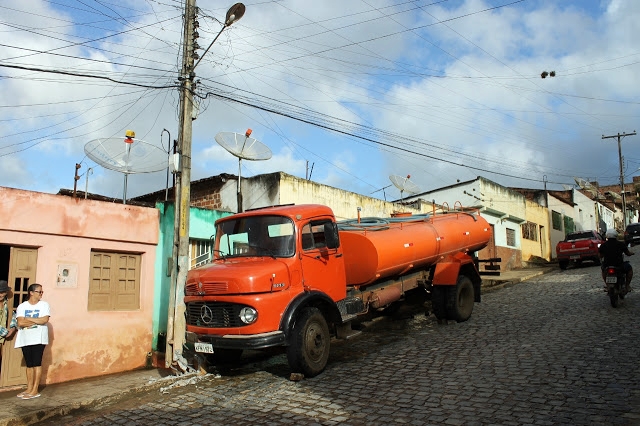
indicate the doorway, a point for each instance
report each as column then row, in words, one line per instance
column 18, row 267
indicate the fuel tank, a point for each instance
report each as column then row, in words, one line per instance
column 381, row 249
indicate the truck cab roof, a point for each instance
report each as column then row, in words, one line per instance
column 295, row 212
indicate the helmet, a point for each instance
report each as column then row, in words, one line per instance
column 611, row 233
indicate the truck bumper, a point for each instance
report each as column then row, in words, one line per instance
column 229, row 341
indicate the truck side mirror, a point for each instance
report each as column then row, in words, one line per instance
column 331, row 235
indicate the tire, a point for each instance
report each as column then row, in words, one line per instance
column 439, row 301
column 563, row 264
column 224, row 356
column 596, row 261
column 460, row 300
column 310, row 344
column 613, row 297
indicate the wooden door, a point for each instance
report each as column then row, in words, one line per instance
column 22, row 273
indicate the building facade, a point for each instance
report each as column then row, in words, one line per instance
column 96, row 263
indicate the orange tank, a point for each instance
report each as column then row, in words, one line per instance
column 379, row 249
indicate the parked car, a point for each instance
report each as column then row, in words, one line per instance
column 632, row 234
column 578, row 247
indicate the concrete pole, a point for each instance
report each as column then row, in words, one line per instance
column 178, row 327
column 624, row 199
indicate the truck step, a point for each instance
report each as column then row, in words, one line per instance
column 345, row 332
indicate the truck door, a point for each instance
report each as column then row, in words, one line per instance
column 322, row 266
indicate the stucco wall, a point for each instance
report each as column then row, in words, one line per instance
column 503, row 199
column 201, row 226
column 557, row 205
column 585, row 212
column 540, row 216
column 64, row 231
column 343, row 203
column 607, row 218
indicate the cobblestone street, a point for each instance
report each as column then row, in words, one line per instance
column 547, row 351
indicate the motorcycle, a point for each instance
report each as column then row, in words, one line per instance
column 615, row 284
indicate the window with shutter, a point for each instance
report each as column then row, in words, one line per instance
column 114, row 282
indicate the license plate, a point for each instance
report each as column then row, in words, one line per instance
column 611, row 280
column 574, row 257
column 206, row 348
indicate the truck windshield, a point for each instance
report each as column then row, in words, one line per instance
column 255, row 236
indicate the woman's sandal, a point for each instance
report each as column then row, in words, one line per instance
column 29, row 396
column 22, row 394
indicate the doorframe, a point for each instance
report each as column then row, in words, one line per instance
column 22, row 273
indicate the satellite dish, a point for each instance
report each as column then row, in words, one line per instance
column 243, row 147
column 404, row 185
column 614, row 195
column 126, row 155
column 583, row 184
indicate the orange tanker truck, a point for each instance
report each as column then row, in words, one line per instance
column 292, row 276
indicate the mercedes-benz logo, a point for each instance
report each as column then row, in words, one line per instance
column 206, row 314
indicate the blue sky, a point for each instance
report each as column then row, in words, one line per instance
column 439, row 90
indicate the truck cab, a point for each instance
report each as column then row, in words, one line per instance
column 267, row 266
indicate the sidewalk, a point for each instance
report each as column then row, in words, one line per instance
column 508, row 278
column 65, row 398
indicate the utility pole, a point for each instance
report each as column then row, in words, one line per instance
column 624, row 199
column 176, row 324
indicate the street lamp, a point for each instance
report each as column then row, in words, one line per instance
column 234, row 14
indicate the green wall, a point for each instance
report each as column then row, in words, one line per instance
column 201, row 226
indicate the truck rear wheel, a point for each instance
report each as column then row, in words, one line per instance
column 308, row 351
column 460, row 299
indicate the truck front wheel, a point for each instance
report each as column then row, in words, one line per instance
column 460, row 299
column 308, row 350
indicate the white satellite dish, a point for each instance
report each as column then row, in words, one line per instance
column 583, row 184
column 243, row 147
column 126, row 155
column 404, row 185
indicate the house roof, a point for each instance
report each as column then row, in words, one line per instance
column 98, row 197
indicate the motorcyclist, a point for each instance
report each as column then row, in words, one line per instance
column 612, row 253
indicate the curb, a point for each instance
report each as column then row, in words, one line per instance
column 69, row 408
column 498, row 284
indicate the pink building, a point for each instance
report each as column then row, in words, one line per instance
column 95, row 261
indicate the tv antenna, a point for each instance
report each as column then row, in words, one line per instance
column 126, row 155
column 404, row 184
column 244, row 147
column 384, row 195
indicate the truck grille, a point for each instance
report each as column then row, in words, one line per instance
column 214, row 314
column 193, row 288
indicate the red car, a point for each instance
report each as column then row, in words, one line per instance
column 579, row 246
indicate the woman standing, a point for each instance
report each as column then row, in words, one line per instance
column 33, row 336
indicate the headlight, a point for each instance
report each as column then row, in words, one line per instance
column 248, row 315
